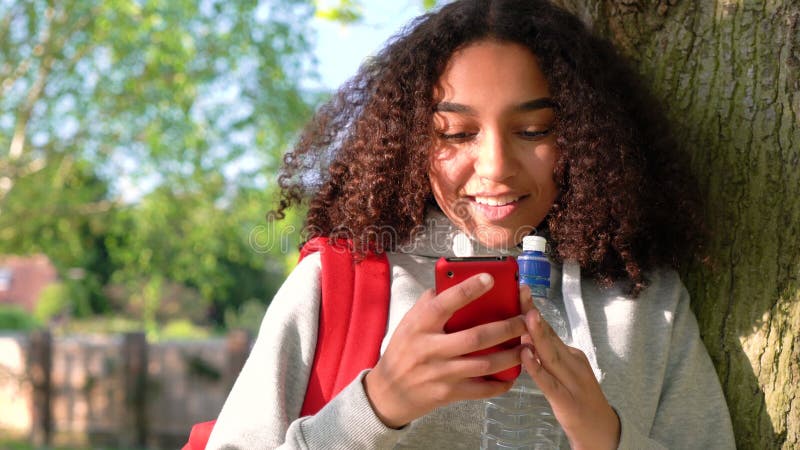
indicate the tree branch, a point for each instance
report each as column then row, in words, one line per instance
column 24, row 114
column 49, row 45
column 5, row 31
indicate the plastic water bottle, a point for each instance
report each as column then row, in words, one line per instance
column 534, row 270
column 522, row 418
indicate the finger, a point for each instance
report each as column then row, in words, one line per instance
column 526, row 339
column 484, row 336
column 526, row 304
column 525, row 301
column 440, row 308
column 549, row 385
column 581, row 367
column 416, row 317
column 480, row 388
column 482, row 365
column 427, row 295
column 550, row 350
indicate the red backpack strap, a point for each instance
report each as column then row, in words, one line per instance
column 198, row 437
column 352, row 322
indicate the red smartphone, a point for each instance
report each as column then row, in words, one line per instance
column 499, row 303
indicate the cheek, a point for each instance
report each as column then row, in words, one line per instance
column 543, row 164
column 447, row 175
column 435, row 180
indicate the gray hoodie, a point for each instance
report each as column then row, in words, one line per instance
column 646, row 353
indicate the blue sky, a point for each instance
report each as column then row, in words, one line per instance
column 341, row 48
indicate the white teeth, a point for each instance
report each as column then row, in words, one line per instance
column 496, row 201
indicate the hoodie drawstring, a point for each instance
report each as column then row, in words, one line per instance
column 576, row 314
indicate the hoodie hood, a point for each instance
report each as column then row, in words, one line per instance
column 441, row 238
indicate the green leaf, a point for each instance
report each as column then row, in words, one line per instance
column 345, row 11
column 148, row 149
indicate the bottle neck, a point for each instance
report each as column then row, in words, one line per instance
column 533, row 253
column 534, row 270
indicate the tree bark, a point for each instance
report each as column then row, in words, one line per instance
column 728, row 72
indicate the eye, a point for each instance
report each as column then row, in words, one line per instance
column 459, row 136
column 532, row 135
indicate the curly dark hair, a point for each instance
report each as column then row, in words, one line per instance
column 626, row 204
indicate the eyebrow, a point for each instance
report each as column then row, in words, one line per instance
column 539, row 103
column 531, row 105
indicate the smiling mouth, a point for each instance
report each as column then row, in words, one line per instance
column 496, row 208
column 501, row 200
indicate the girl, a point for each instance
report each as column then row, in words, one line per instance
column 492, row 119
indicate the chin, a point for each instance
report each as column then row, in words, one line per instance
column 501, row 237
column 495, row 239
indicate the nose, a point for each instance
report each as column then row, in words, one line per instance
column 495, row 160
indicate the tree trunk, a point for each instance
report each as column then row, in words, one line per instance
column 728, row 72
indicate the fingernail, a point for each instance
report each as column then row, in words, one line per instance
column 529, row 353
column 535, row 316
column 485, row 279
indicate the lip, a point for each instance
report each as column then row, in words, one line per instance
column 495, row 213
column 473, row 196
column 495, row 194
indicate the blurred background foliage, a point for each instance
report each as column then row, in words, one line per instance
column 139, row 142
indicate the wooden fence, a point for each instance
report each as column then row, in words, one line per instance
column 114, row 391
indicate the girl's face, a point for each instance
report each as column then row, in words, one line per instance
column 492, row 168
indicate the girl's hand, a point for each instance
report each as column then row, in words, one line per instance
column 424, row 368
column 565, row 377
